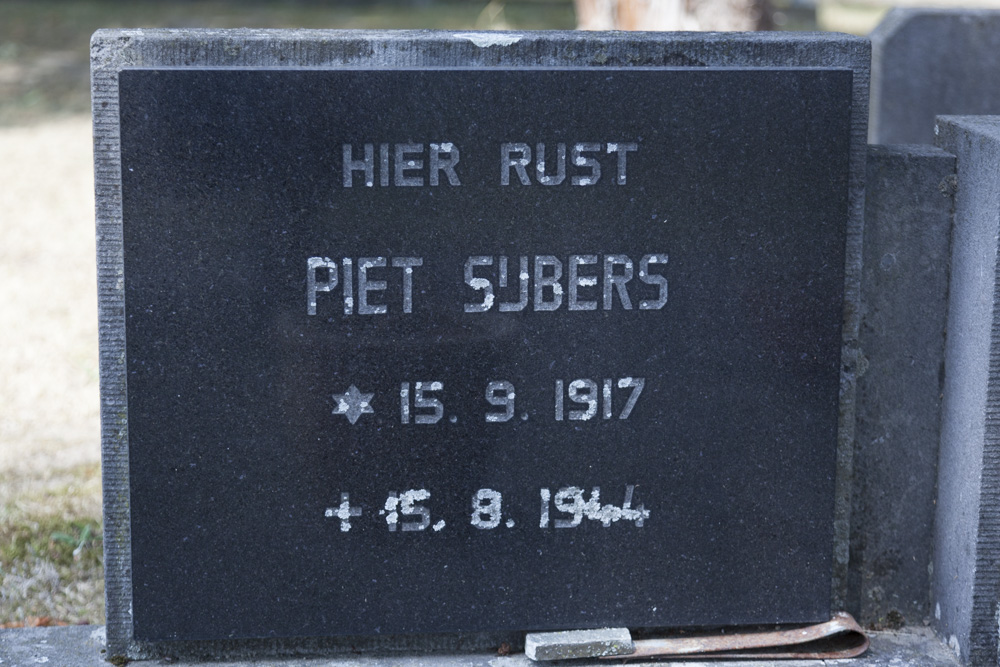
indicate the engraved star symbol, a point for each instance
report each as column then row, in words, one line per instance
column 353, row 404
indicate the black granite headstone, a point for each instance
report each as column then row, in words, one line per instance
column 417, row 351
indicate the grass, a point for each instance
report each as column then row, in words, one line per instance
column 51, row 552
column 52, row 568
column 63, row 542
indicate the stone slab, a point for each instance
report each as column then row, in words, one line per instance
column 244, row 460
column 578, row 644
column 929, row 62
column 70, row 646
column 120, row 51
column 81, row 646
column 966, row 585
column 904, row 302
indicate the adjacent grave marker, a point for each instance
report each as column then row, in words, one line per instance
column 421, row 344
column 909, row 201
column 966, row 581
column 930, row 62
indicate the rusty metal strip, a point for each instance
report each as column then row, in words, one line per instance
column 840, row 637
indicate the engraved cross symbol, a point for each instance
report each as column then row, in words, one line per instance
column 344, row 512
column 353, row 404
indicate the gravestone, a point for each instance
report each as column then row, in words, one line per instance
column 454, row 334
column 909, row 199
column 966, row 584
column 930, row 62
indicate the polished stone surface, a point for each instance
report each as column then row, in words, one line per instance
column 346, row 414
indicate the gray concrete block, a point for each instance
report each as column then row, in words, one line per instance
column 904, row 301
column 71, row 646
column 966, row 583
column 929, row 62
column 578, row 644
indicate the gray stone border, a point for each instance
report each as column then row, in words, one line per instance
column 115, row 50
column 83, row 646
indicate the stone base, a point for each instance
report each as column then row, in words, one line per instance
column 83, row 646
